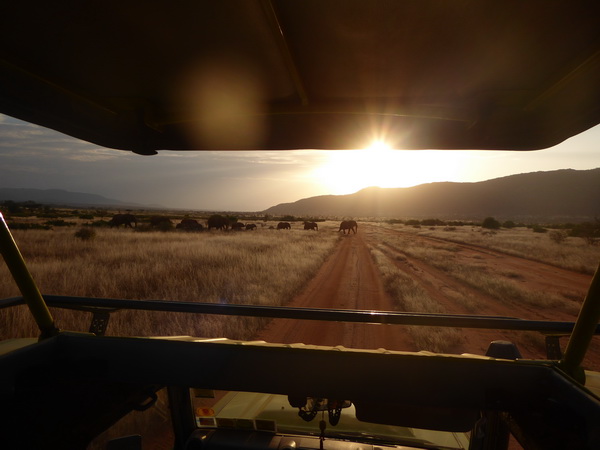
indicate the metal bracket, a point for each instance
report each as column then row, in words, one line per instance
column 99, row 323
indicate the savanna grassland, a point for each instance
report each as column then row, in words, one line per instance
column 468, row 270
column 262, row 267
column 269, row 267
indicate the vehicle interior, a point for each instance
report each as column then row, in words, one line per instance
column 151, row 76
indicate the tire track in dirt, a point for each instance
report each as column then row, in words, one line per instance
column 533, row 275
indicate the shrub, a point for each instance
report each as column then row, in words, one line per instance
column 588, row 231
column 490, row 223
column 28, row 226
column 85, row 233
column 558, row 236
column 59, row 223
column 538, row 229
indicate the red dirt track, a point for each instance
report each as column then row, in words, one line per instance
column 349, row 279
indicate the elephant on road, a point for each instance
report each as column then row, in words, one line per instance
column 123, row 219
column 349, row 225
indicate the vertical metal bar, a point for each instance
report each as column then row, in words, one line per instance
column 580, row 339
column 22, row 276
column 285, row 50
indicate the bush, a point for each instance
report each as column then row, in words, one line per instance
column 538, row 229
column 28, row 226
column 490, row 223
column 558, row 236
column 59, row 223
column 85, row 234
column 588, row 231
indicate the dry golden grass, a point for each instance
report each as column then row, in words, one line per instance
column 499, row 285
column 409, row 296
column 263, row 267
column 573, row 253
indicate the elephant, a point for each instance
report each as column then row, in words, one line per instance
column 311, row 226
column 237, row 226
column 218, row 222
column 250, row 226
column 123, row 219
column 349, row 225
column 160, row 221
column 189, row 225
column 284, row 226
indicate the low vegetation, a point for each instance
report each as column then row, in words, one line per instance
column 266, row 267
column 410, row 296
column 557, row 247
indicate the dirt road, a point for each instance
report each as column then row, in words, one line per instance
column 350, row 280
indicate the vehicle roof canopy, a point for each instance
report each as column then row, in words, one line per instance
column 150, row 75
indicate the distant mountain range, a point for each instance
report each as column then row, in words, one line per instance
column 555, row 196
column 61, row 197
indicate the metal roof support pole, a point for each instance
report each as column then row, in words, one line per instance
column 580, row 339
column 22, row 276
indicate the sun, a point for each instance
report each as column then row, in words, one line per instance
column 348, row 171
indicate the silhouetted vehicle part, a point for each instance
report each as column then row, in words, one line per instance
column 348, row 225
column 147, row 76
column 238, row 226
column 309, row 407
column 311, row 226
column 218, row 222
column 284, row 226
column 189, row 225
column 250, row 226
column 123, row 219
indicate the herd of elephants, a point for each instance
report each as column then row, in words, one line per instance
column 218, row 222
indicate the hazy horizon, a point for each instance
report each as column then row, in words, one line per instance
column 39, row 158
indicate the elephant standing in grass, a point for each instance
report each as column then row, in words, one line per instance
column 123, row 219
column 349, row 225
column 161, row 222
column 238, row 226
column 284, row 226
column 218, row 222
column 189, row 225
column 311, row 226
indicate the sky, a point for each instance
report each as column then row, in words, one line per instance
column 251, row 181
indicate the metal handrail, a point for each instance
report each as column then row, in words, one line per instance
column 284, row 312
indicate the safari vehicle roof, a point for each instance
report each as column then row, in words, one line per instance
column 202, row 75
